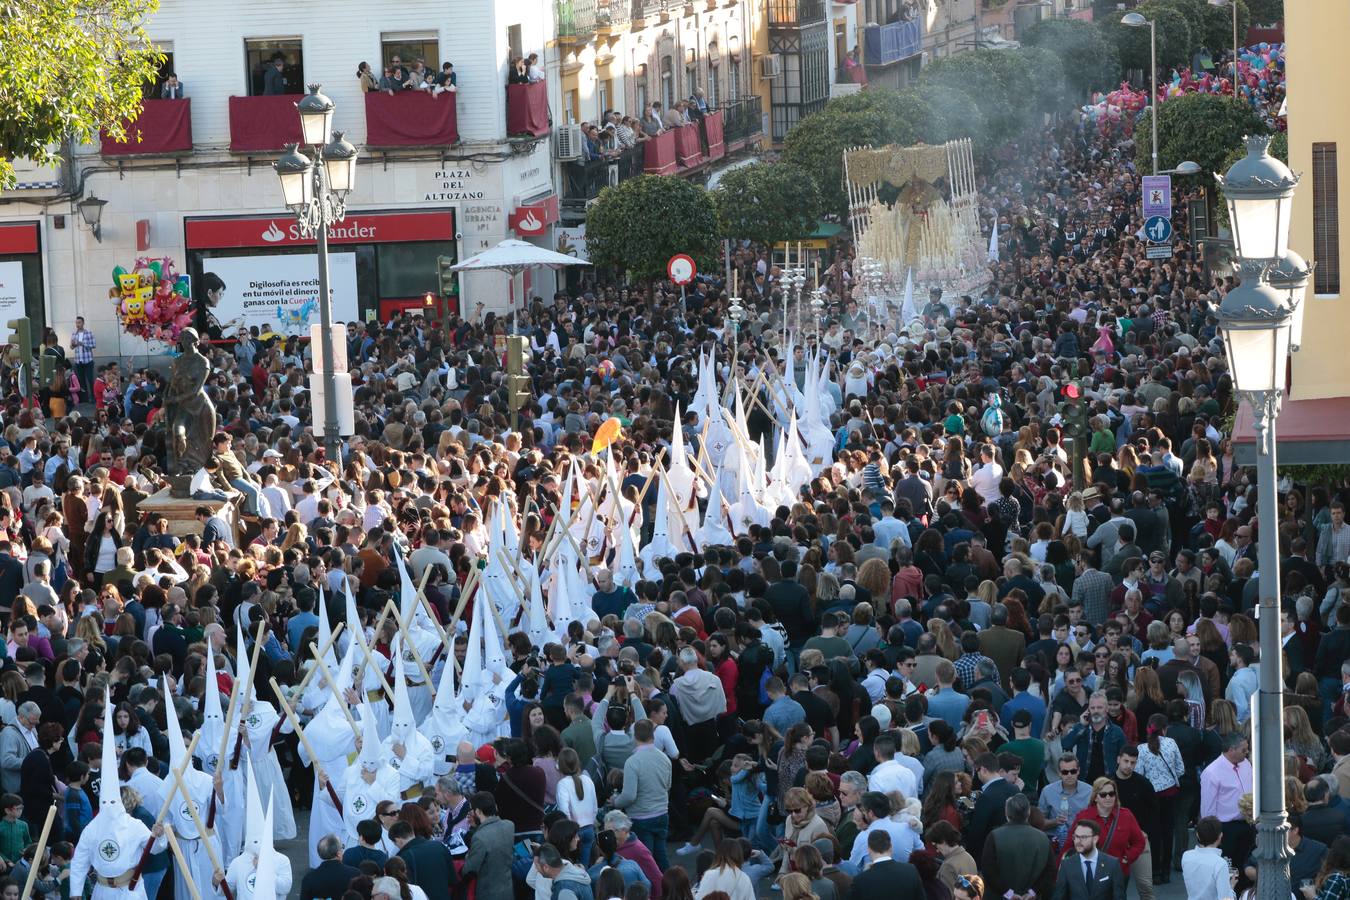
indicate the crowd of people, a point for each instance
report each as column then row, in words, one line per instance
column 856, row 616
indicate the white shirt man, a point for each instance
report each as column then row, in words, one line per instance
column 987, row 477
column 1204, row 869
column 890, row 774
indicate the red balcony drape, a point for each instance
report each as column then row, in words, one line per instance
column 527, row 108
column 411, row 119
column 164, row 126
column 660, row 154
column 712, row 130
column 688, row 147
column 264, row 124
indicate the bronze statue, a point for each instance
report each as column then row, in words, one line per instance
column 189, row 416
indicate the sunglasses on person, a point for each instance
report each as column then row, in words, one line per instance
column 1068, row 771
column 1106, row 793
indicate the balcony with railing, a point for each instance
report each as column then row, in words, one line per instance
column 742, row 122
column 614, row 15
column 576, row 20
column 677, row 151
column 162, row 128
column 887, row 44
column 796, row 13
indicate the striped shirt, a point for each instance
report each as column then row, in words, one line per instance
column 84, row 343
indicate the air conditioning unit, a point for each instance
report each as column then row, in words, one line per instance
column 612, row 173
column 568, row 142
column 770, row 65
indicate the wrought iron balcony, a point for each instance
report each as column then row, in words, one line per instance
column 743, row 121
column 886, row 44
column 796, row 13
column 576, row 20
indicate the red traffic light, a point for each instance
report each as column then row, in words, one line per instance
column 1072, row 392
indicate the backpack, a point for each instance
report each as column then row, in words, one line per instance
column 598, row 769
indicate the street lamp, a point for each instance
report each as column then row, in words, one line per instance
column 1259, row 191
column 1232, row 4
column 315, row 189
column 1258, row 319
column 1290, row 276
column 91, row 210
column 1135, row 20
column 1186, row 167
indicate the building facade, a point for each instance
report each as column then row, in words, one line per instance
column 440, row 177
column 1319, row 124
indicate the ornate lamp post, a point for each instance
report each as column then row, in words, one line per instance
column 818, row 309
column 1257, row 320
column 316, row 191
column 735, row 313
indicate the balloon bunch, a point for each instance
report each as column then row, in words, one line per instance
column 1120, row 106
column 152, row 301
column 1260, row 75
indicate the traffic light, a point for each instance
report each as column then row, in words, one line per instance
column 46, row 369
column 1073, row 413
column 21, row 338
column 517, row 354
column 519, row 387
column 445, row 276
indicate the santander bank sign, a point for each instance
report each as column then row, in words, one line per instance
column 343, row 231
column 357, row 228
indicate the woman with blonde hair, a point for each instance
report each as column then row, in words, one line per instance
column 943, row 634
column 87, row 629
column 296, row 535
column 796, row 886
column 1300, row 738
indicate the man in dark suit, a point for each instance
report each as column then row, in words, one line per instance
column 330, row 877
column 430, row 865
column 11, row 575
column 791, row 604
column 1087, row 873
column 989, row 810
column 53, row 710
column 1005, row 646
column 884, row 877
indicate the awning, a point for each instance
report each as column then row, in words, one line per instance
column 1307, row 433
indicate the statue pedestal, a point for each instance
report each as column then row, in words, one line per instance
column 182, row 512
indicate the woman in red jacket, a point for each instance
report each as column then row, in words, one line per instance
column 725, row 668
column 1121, row 835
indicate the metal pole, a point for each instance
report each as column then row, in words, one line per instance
column 1272, row 828
column 330, row 416
column 1153, row 75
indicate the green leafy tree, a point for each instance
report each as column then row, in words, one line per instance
column 817, row 143
column 1203, row 128
column 961, row 113
column 1212, row 26
column 908, row 116
column 1266, row 12
column 1048, row 85
column 767, row 202
column 71, row 69
column 1018, row 79
column 1089, row 61
column 640, row 224
column 975, row 76
column 1174, row 39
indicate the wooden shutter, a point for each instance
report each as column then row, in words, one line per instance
column 1326, row 221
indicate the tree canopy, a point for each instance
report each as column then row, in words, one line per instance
column 644, row 221
column 1203, row 128
column 1175, row 44
column 767, row 202
column 1089, row 61
column 72, row 68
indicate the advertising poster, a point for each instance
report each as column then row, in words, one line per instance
column 280, row 293
column 11, row 295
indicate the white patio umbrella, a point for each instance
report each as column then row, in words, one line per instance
column 514, row 257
